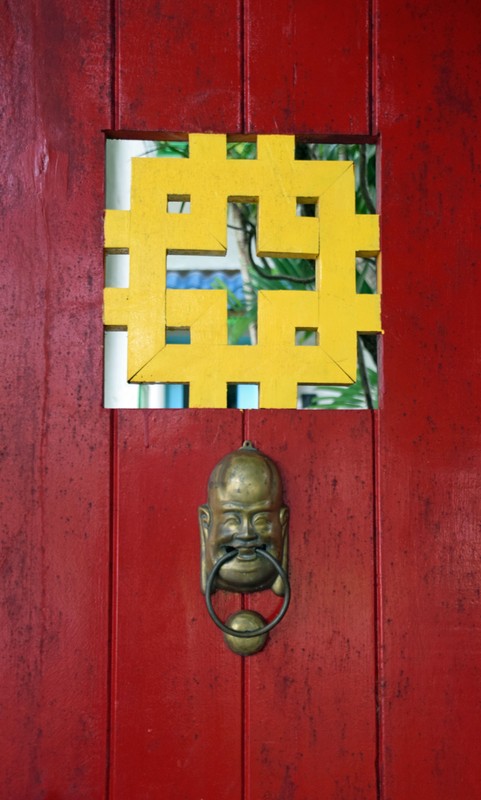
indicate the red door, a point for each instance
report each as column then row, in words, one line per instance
column 116, row 682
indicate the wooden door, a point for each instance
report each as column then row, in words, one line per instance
column 116, row 682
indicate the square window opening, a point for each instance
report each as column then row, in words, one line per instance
column 241, row 271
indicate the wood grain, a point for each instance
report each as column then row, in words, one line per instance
column 428, row 106
column 54, row 59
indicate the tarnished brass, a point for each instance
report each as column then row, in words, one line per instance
column 245, row 516
column 244, row 512
column 245, row 621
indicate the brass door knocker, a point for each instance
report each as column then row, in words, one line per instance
column 244, row 542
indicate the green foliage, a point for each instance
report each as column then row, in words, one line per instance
column 241, row 150
column 169, row 149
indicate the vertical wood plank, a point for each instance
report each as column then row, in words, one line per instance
column 177, row 725
column 54, row 59
column 177, row 690
column 428, row 108
column 311, row 699
column 179, row 65
column 308, row 67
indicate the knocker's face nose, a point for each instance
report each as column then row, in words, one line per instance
column 246, row 538
column 246, row 515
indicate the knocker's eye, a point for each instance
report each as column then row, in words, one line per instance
column 262, row 523
column 231, row 521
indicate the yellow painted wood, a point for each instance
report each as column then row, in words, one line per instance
column 277, row 182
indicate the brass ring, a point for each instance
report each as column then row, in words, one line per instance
column 258, row 631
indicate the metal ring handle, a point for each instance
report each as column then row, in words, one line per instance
column 258, row 631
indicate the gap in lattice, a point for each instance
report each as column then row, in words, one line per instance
column 180, row 335
column 304, row 209
column 306, row 337
column 178, row 203
column 117, row 270
column 366, row 275
column 241, row 149
column 242, row 395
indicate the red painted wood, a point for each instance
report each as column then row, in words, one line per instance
column 308, row 67
column 54, row 59
column 428, row 109
column 179, row 65
column 311, row 702
column 307, row 72
column 177, row 725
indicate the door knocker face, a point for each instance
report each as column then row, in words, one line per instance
column 244, row 536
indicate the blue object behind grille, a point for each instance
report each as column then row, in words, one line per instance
column 200, row 279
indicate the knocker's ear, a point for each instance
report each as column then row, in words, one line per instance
column 278, row 585
column 204, row 525
column 284, row 518
column 204, row 520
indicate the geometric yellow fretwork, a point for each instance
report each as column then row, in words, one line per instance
column 276, row 181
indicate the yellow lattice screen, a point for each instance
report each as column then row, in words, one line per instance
column 277, row 182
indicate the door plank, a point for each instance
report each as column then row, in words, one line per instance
column 428, row 108
column 177, row 723
column 308, row 67
column 179, row 65
column 311, row 691
column 54, row 480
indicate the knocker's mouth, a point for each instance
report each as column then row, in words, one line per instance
column 246, row 552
